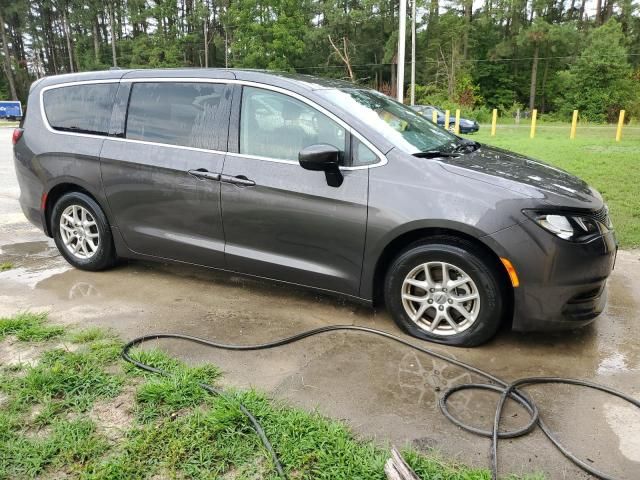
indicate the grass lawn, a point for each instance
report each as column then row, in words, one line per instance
column 74, row 409
column 611, row 167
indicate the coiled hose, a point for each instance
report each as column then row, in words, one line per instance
column 505, row 389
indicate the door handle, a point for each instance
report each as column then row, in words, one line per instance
column 204, row 174
column 240, row 180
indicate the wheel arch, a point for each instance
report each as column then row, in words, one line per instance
column 404, row 239
column 56, row 191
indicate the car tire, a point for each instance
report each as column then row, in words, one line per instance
column 82, row 233
column 466, row 315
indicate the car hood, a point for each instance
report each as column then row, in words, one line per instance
column 526, row 176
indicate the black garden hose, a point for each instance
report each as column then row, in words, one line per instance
column 505, row 390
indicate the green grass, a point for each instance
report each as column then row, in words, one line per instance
column 29, row 326
column 6, row 266
column 175, row 430
column 611, row 167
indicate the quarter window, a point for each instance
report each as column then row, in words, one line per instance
column 278, row 126
column 361, row 154
column 80, row 108
column 184, row 114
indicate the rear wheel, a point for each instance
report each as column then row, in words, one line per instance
column 445, row 290
column 82, row 233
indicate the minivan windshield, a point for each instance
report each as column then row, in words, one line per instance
column 405, row 128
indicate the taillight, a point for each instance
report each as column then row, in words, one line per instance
column 17, row 135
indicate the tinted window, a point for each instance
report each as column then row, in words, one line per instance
column 278, row 126
column 183, row 114
column 80, row 108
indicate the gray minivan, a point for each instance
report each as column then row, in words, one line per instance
column 314, row 182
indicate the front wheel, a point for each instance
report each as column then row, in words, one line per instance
column 82, row 233
column 446, row 291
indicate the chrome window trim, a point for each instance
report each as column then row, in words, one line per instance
column 165, row 145
column 382, row 159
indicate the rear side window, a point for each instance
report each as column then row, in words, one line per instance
column 80, row 108
column 184, row 114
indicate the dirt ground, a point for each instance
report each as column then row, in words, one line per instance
column 383, row 391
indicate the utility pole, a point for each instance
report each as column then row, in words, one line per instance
column 401, row 41
column 413, row 52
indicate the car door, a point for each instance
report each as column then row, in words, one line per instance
column 280, row 220
column 161, row 176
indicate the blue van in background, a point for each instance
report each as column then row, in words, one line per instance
column 10, row 110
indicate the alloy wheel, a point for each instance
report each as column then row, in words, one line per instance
column 440, row 298
column 79, row 232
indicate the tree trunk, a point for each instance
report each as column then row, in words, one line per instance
column 67, row 34
column 608, row 10
column 96, row 40
column 468, row 13
column 598, row 12
column 582, row 6
column 543, row 92
column 206, row 43
column 344, row 55
column 534, row 77
column 112, row 24
column 7, row 60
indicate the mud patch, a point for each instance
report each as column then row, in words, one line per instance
column 114, row 417
column 14, row 352
column 256, row 470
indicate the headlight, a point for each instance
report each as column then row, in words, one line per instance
column 575, row 228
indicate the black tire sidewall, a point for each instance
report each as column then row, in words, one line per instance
column 469, row 260
column 105, row 256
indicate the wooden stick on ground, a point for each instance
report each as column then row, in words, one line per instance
column 397, row 469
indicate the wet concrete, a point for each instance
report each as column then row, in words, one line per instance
column 383, row 391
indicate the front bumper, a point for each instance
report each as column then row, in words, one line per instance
column 562, row 284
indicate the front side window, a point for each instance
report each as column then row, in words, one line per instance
column 175, row 113
column 402, row 126
column 275, row 125
column 80, row 108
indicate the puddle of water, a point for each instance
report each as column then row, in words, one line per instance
column 46, row 249
column 31, row 277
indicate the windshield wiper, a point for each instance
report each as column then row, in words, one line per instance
column 466, row 146
column 435, row 154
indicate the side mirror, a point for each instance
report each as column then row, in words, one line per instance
column 323, row 158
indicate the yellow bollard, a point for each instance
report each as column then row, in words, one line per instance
column 534, row 117
column 574, row 124
column 446, row 119
column 456, row 125
column 494, row 120
column 620, row 124
column 434, row 117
